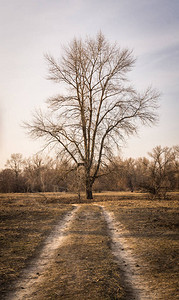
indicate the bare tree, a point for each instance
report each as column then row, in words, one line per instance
column 162, row 170
column 99, row 107
column 36, row 170
column 15, row 163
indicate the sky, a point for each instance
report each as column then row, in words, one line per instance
column 29, row 29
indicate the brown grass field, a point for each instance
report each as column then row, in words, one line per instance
column 153, row 236
column 27, row 219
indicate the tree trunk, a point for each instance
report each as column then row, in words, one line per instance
column 89, row 193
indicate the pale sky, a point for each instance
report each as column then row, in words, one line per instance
column 31, row 28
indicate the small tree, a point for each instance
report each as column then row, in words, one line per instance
column 7, row 181
column 99, row 107
column 162, row 170
column 15, row 163
column 37, row 171
column 142, row 165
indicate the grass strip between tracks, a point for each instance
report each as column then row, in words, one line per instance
column 84, row 266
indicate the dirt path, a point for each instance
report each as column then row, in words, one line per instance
column 133, row 271
column 32, row 275
column 77, row 262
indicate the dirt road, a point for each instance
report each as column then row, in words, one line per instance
column 83, row 258
column 33, row 274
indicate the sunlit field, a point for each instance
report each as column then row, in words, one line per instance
column 151, row 231
column 27, row 219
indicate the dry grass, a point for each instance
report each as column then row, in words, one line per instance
column 153, row 236
column 25, row 220
column 84, row 266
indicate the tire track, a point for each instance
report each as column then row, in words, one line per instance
column 121, row 249
column 84, row 220
column 33, row 274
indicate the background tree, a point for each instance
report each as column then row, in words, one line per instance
column 99, row 107
column 7, row 181
column 15, row 163
column 176, row 167
column 62, row 176
column 142, row 174
column 39, row 174
column 162, row 170
column 113, row 176
column 156, row 175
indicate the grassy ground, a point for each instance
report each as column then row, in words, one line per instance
column 153, row 237
column 84, row 267
column 25, row 220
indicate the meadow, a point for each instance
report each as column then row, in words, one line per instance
column 151, row 231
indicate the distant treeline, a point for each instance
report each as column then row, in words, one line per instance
column 157, row 174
